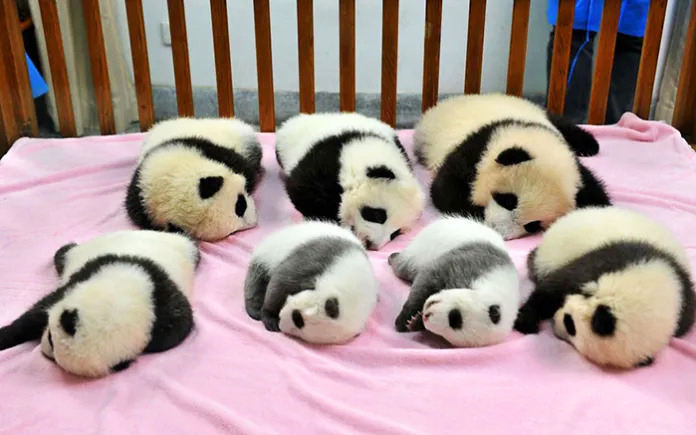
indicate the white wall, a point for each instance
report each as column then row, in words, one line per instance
column 368, row 44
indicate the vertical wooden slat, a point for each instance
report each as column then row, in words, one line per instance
column 100, row 69
column 684, row 115
column 59, row 70
column 431, row 53
column 390, row 50
column 518, row 47
column 13, row 55
column 141, row 64
column 605, row 59
column 347, row 55
column 474, row 46
column 264, row 64
column 648, row 58
column 223, row 63
column 9, row 130
column 182, row 68
column 560, row 60
column 305, row 50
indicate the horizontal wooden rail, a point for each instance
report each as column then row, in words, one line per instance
column 347, row 55
column 518, row 47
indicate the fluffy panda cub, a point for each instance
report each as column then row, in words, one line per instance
column 121, row 294
column 196, row 176
column 465, row 287
column 615, row 283
column 350, row 169
column 311, row 280
column 503, row 159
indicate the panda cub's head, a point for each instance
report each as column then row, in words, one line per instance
column 526, row 180
column 624, row 318
column 184, row 190
column 382, row 205
column 91, row 333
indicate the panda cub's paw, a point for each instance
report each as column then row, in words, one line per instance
column 526, row 324
column 272, row 323
column 59, row 257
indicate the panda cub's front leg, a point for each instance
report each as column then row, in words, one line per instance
column 402, row 268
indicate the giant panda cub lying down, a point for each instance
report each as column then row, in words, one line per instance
column 311, row 280
column 196, row 176
column 465, row 287
column 350, row 169
column 615, row 284
column 120, row 295
column 503, row 159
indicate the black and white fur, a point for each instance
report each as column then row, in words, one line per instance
column 120, row 295
column 507, row 161
column 465, row 287
column 196, row 176
column 350, row 169
column 311, row 280
column 615, row 283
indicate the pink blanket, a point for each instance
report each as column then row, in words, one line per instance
column 231, row 375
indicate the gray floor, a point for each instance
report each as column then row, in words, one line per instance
column 286, row 105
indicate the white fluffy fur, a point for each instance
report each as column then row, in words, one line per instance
column 645, row 298
column 169, row 177
column 498, row 286
column 403, row 198
column 115, row 305
column 545, row 187
column 350, row 279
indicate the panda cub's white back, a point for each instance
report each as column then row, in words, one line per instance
column 350, row 169
column 311, row 280
column 465, row 287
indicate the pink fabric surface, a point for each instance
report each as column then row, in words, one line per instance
column 232, row 376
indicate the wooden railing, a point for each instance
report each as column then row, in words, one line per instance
column 18, row 117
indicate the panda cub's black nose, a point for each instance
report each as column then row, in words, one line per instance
column 241, row 205
column 297, row 319
column 455, row 319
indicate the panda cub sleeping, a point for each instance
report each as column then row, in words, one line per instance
column 196, row 176
column 311, row 280
column 615, row 284
column 465, row 287
column 120, row 295
column 350, row 169
column 505, row 160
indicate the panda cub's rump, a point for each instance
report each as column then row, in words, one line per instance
column 121, row 294
column 196, row 176
column 615, row 283
column 311, row 280
column 465, row 287
column 350, row 169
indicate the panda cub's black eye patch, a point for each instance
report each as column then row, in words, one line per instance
column 331, row 308
column 494, row 313
column 50, row 339
column 380, row 171
column 533, row 227
column 376, row 215
column 455, row 319
column 569, row 324
column 395, row 234
column 603, row 321
column 241, row 205
column 297, row 319
column 209, row 186
column 506, row 200
column 68, row 320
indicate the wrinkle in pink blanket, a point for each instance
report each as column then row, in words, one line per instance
column 232, row 376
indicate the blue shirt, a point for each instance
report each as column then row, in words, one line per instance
column 588, row 15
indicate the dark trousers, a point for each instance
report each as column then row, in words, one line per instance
column 623, row 76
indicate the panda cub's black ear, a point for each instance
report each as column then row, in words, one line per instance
column 380, row 171
column 513, row 156
column 68, row 321
column 209, row 186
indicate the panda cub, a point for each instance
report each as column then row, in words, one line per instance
column 311, row 280
column 505, row 160
column 120, row 295
column 350, row 169
column 465, row 287
column 615, row 284
column 196, row 176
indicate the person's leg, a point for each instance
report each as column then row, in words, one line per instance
column 578, row 90
column 623, row 76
